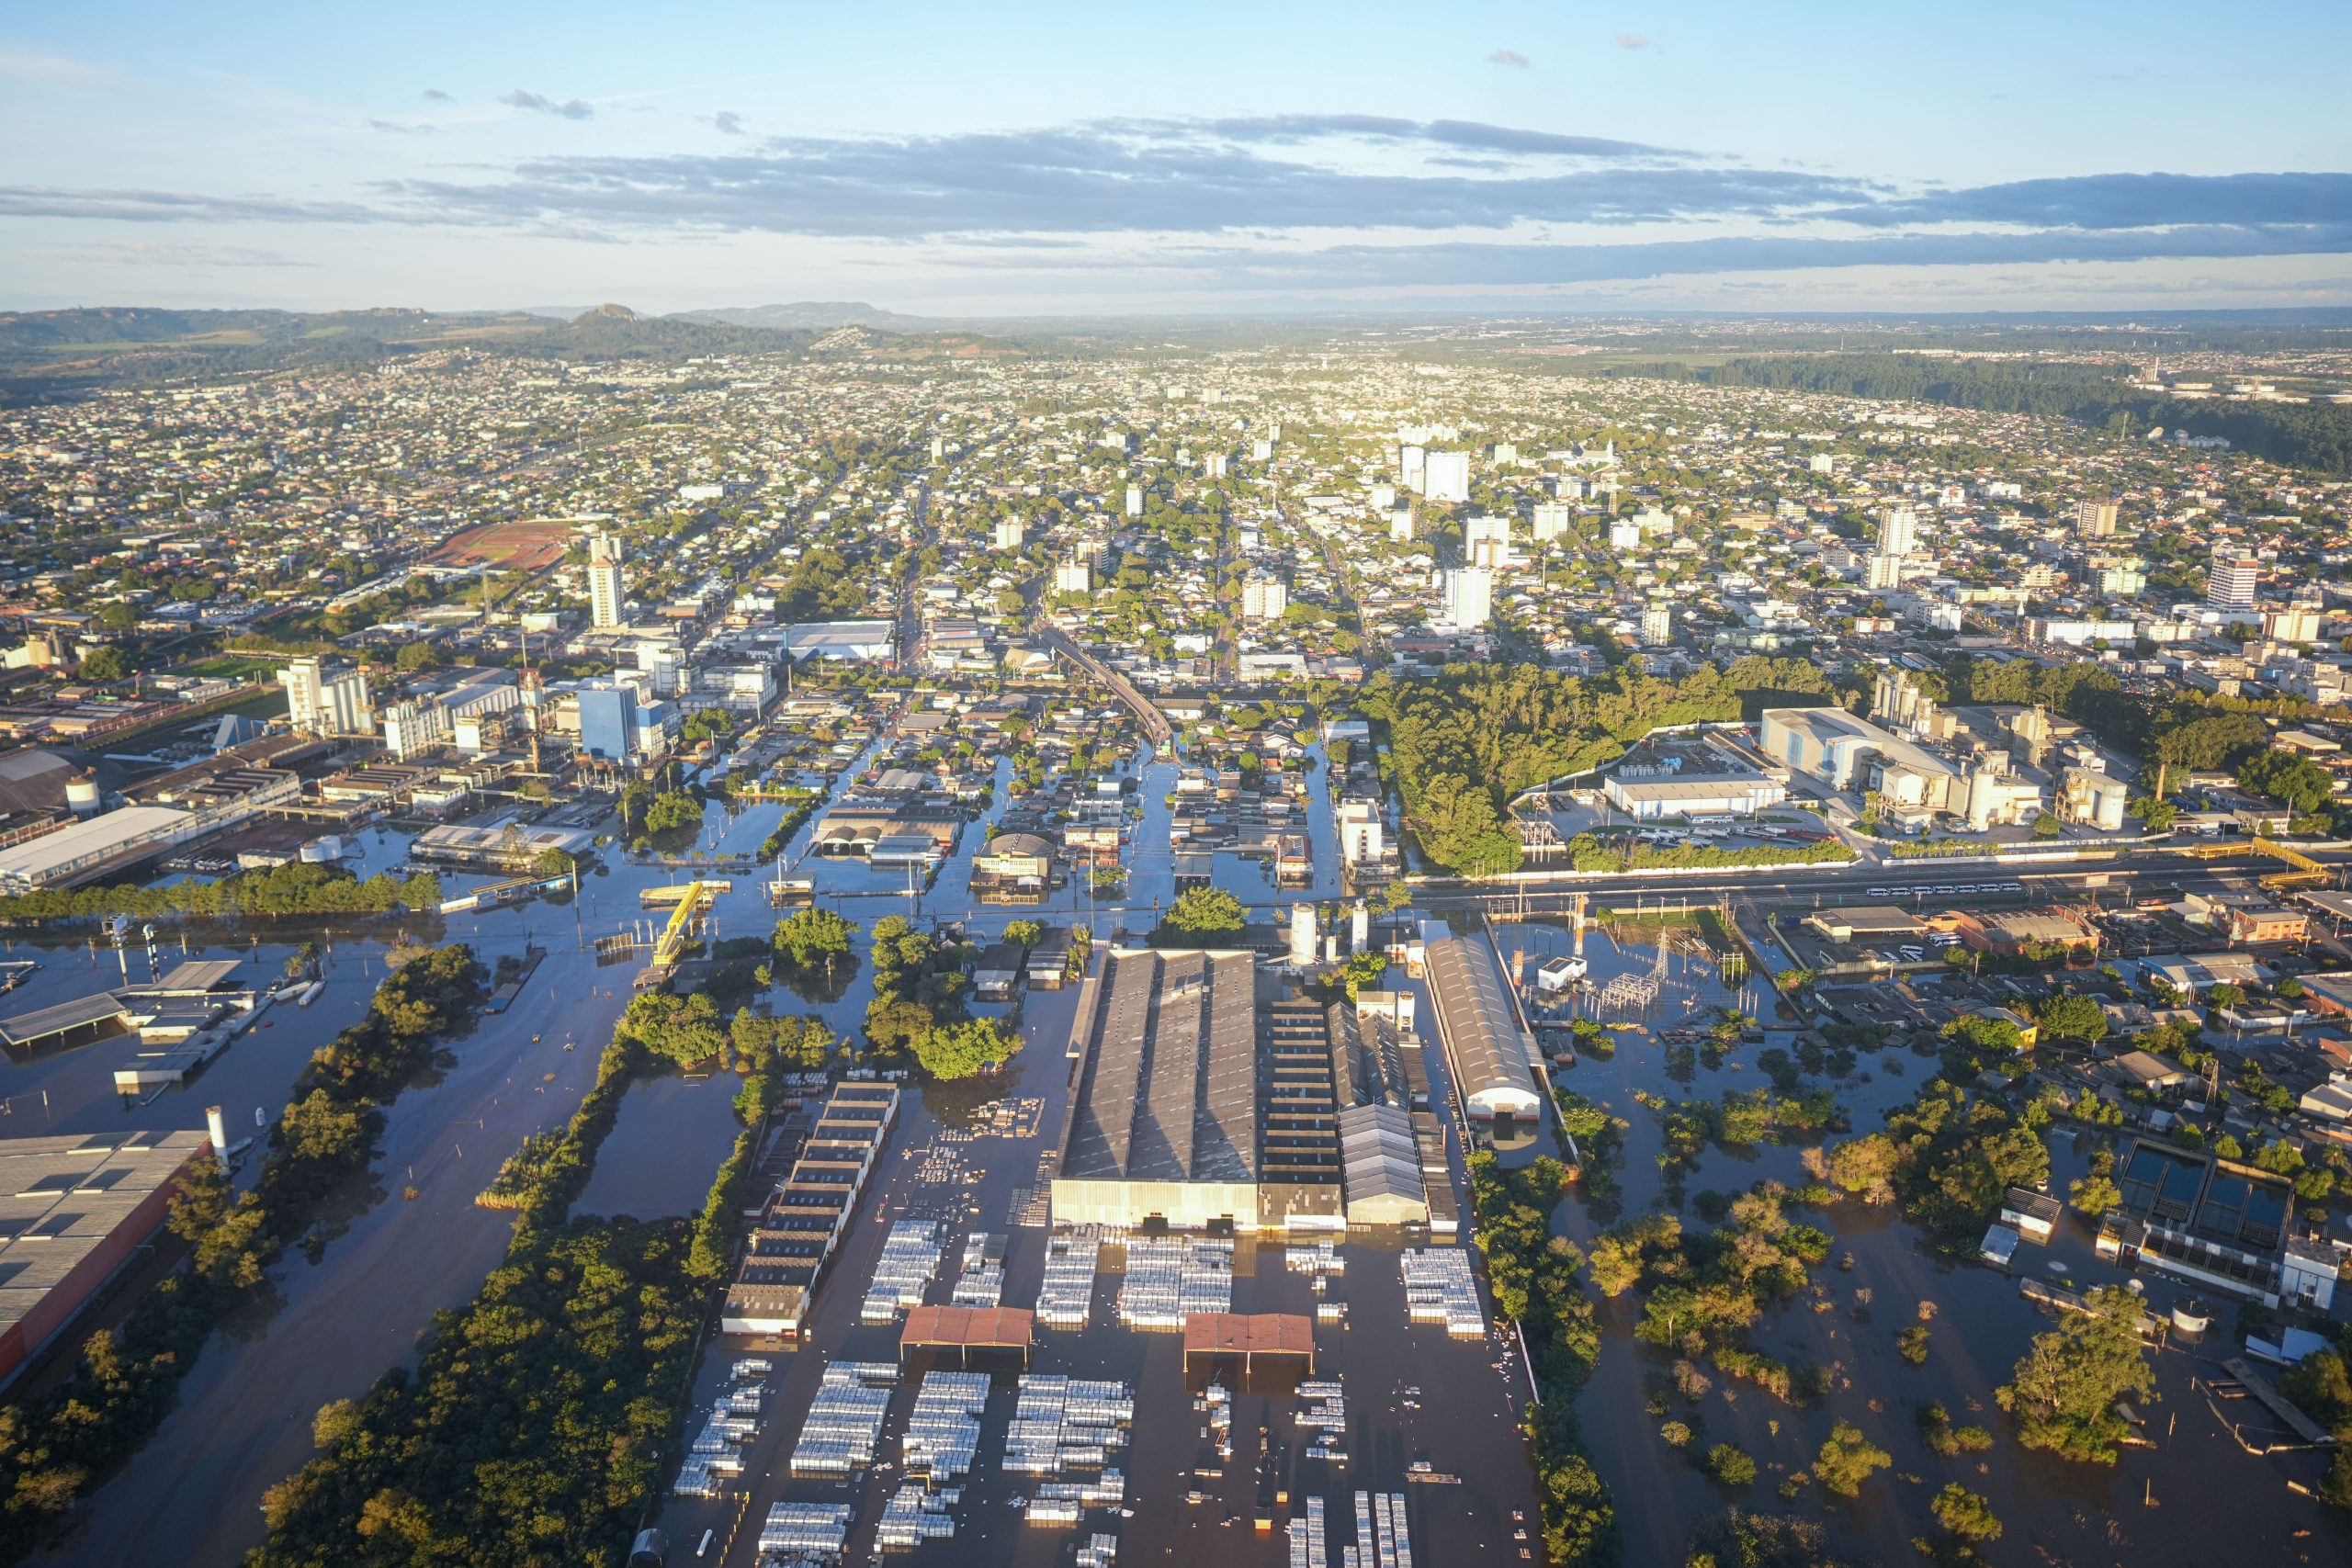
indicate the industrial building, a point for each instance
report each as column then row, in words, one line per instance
column 1850, row 754
column 74, row 1210
column 808, row 1213
column 96, row 845
column 1648, row 795
column 1163, row 1122
column 513, row 846
column 1488, row 1053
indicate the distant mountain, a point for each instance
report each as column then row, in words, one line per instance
column 812, row 315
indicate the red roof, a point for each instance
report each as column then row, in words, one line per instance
column 1250, row 1334
column 987, row 1327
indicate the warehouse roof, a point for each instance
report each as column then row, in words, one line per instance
column 62, row 1197
column 1478, row 1024
column 1170, row 1089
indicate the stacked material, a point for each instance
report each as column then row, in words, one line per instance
column 1308, row 1541
column 1107, row 1490
column 1066, row 1298
column 846, row 1418
column 1063, row 1423
column 806, row 1529
column 1167, row 1281
column 1327, row 1416
column 914, row 1515
column 716, row 1453
column 1100, row 1552
column 1382, row 1540
column 945, row 1426
column 1322, row 1259
column 982, row 1284
column 1438, row 1288
column 910, row 1257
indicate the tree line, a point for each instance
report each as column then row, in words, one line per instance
column 295, row 888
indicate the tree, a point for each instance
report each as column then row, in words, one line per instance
column 2094, row 1195
column 105, row 665
column 1865, row 1167
column 2072, row 1016
column 417, row 656
column 2293, row 781
column 117, row 617
column 1730, row 1464
column 811, row 935
column 2047, row 826
column 1849, row 1459
column 2064, row 1393
column 1912, row 1345
column 1206, row 912
column 553, row 863
column 1968, row 1515
column 961, row 1050
column 1023, row 934
column 2157, row 816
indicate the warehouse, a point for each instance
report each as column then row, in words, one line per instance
column 1652, row 797
column 91, row 848
column 810, row 1213
column 1163, row 1123
column 73, row 1211
column 1488, row 1053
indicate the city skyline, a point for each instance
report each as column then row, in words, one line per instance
column 1512, row 157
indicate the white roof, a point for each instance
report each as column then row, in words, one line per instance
column 41, row 858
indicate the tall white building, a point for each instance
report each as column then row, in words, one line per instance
column 1657, row 625
column 1882, row 572
column 1135, row 500
column 1898, row 530
column 1264, row 599
column 1073, row 577
column 606, row 594
column 2095, row 519
column 1485, row 541
column 1552, row 520
column 1445, row 476
column 1469, row 597
column 323, row 702
column 1011, row 532
column 2230, row 581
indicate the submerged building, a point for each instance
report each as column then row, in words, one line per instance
column 1490, row 1055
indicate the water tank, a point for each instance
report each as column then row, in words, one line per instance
column 82, row 794
column 320, row 850
column 2193, row 1316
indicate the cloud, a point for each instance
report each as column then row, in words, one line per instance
column 1509, row 57
column 398, row 128
column 31, row 66
column 1631, row 40
column 173, row 207
column 439, row 97
column 146, row 252
column 2126, row 201
column 729, row 122
column 570, row 109
column 1278, row 129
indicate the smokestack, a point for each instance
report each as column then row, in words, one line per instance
column 217, row 1125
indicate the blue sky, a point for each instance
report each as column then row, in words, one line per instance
column 1022, row 159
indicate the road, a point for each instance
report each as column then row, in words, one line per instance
column 1155, row 723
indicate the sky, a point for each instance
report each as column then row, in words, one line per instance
column 1018, row 158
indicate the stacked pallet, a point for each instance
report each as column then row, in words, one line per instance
column 1438, row 1289
column 1066, row 1298
column 944, row 1429
column 910, row 1257
column 844, row 1421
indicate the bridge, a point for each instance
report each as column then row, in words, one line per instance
column 694, row 899
column 1155, row 723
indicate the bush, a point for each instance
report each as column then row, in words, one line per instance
column 1730, row 1464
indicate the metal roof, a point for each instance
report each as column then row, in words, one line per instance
column 42, row 1023
column 1477, row 1024
column 1170, row 1086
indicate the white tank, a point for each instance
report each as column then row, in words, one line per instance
column 216, row 1126
column 320, row 850
column 82, row 796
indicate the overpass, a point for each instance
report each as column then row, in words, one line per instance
column 1155, row 723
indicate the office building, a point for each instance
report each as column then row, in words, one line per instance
column 2095, row 519
column 1469, row 597
column 608, row 720
column 605, row 590
column 2230, row 578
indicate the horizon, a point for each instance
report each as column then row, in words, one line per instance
column 1650, row 160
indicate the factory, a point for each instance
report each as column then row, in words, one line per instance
column 1489, row 1053
column 76, row 1210
column 1205, row 1098
column 809, row 1213
column 1648, row 795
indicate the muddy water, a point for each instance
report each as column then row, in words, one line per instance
column 2194, row 1498
column 1469, row 1398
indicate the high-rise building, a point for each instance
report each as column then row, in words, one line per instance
column 1551, row 520
column 1487, row 541
column 1469, row 597
column 1135, row 500
column 608, row 711
column 1882, row 572
column 1446, row 477
column 2120, row 577
column 2230, row 578
column 1073, row 577
column 605, row 593
column 1264, row 599
column 1010, row 533
column 1657, row 625
column 1898, row 530
column 2095, row 519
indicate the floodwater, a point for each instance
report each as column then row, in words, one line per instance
column 2184, row 1500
